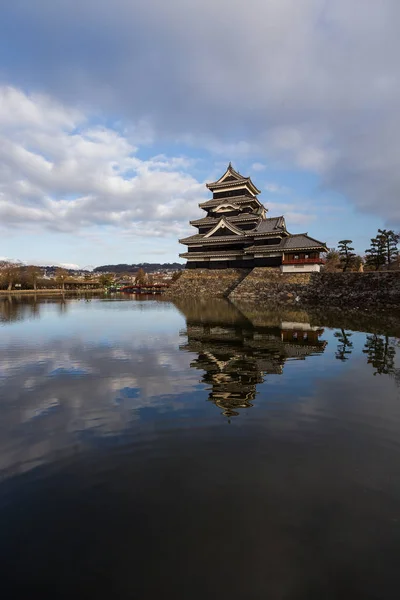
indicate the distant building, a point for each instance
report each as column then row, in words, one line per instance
column 236, row 233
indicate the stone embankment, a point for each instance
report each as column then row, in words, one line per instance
column 350, row 290
column 207, row 282
column 264, row 283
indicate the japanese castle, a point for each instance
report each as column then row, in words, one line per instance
column 236, row 232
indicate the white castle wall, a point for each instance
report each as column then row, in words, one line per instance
column 300, row 268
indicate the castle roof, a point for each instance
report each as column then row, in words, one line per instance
column 218, row 253
column 300, row 241
column 234, row 200
column 200, row 237
column 214, row 220
column 232, row 178
column 272, row 224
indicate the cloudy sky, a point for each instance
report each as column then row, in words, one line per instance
column 113, row 115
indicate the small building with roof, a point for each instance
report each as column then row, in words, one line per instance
column 236, row 232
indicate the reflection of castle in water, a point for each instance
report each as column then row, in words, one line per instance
column 236, row 355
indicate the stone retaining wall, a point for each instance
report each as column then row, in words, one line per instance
column 270, row 284
column 207, row 282
column 351, row 290
column 354, row 289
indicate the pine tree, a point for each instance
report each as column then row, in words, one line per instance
column 381, row 353
column 376, row 253
column 389, row 240
column 345, row 344
column 346, row 253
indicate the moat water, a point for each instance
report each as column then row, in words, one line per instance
column 197, row 450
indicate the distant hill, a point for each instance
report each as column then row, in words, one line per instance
column 147, row 267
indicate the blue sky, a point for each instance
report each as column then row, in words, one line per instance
column 114, row 115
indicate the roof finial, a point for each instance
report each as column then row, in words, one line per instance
column 230, row 165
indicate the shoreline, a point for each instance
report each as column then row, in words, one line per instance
column 49, row 292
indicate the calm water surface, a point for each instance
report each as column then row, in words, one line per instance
column 197, row 450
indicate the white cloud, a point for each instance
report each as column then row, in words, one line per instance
column 68, row 175
column 304, row 83
column 37, row 111
column 65, row 174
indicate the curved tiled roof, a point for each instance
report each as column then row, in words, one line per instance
column 225, row 224
column 270, row 225
column 214, row 220
column 234, row 199
column 244, row 181
column 264, row 249
column 265, row 227
column 235, row 178
column 211, row 253
column 302, row 240
column 199, row 237
column 231, row 172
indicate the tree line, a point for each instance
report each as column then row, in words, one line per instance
column 15, row 275
column 133, row 268
column 383, row 252
column 30, row 276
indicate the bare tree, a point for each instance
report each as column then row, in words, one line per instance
column 33, row 274
column 332, row 262
column 9, row 272
column 140, row 278
column 61, row 276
